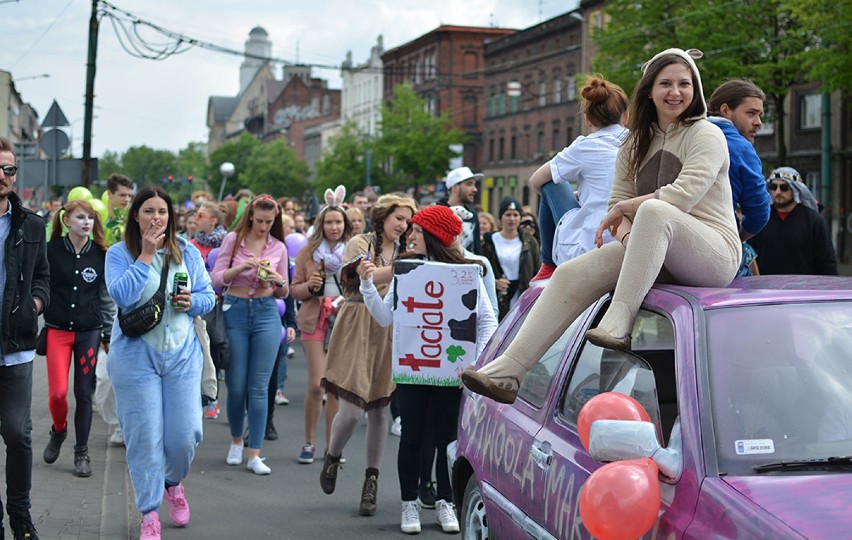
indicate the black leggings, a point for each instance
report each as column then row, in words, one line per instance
column 414, row 406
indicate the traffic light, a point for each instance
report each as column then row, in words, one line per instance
column 170, row 178
column 189, row 178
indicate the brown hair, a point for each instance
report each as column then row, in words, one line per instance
column 133, row 234
column 118, row 179
column 732, row 93
column 642, row 112
column 384, row 207
column 229, row 212
column 214, row 210
column 261, row 202
column 603, row 102
column 319, row 231
column 436, row 251
column 72, row 206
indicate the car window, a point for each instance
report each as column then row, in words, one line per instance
column 537, row 382
column 636, row 374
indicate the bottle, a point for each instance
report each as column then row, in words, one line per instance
column 321, row 272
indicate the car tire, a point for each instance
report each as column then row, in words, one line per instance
column 474, row 525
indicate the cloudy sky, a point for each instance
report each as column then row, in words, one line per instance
column 163, row 104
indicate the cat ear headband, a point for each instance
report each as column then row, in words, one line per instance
column 336, row 197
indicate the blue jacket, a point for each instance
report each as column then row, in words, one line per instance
column 748, row 186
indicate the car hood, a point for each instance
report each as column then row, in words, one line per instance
column 815, row 506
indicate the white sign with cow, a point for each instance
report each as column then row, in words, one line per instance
column 434, row 321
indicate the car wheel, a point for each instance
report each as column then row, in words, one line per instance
column 474, row 524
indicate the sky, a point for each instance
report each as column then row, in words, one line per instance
column 163, row 104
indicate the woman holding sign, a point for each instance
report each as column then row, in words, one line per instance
column 433, row 231
column 358, row 362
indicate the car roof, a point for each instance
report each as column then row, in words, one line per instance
column 769, row 290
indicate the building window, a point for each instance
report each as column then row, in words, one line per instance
column 513, row 151
column 501, row 109
column 810, row 111
column 572, row 88
column 470, row 65
column 513, row 104
column 491, row 149
column 470, row 110
column 500, row 149
column 570, row 137
column 556, row 139
column 492, row 104
column 557, row 90
column 542, row 93
column 539, row 147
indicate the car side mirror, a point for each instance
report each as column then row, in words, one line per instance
column 617, row 440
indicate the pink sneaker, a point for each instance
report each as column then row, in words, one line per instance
column 150, row 529
column 178, row 507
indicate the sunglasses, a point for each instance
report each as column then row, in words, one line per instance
column 527, row 224
column 773, row 186
column 9, row 170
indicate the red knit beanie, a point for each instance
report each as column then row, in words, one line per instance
column 440, row 222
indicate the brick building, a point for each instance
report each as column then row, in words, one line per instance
column 532, row 110
column 446, row 68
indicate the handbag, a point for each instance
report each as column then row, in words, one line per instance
column 220, row 348
column 143, row 319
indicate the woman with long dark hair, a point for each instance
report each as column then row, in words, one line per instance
column 670, row 212
column 253, row 265
column 433, row 233
column 157, row 376
column 77, row 320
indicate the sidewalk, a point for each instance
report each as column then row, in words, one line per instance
column 67, row 507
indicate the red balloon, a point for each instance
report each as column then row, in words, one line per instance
column 621, row 500
column 608, row 406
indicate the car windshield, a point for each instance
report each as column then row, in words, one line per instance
column 780, row 383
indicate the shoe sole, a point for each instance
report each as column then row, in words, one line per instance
column 306, row 461
column 410, row 530
column 481, row 385
column 601, row 338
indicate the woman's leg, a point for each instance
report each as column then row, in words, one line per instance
column 138, row 390
column 332, row 405
column 281, row 379
column 182, row 430
column 236, row 376
column 445, row 404
column 343, row 426
column 556, row 200
column 413, row 407
column 692, row 252
column 315, row 356
column 377, row 435
column 59, row 346
column 86, row 346
column 265, row 337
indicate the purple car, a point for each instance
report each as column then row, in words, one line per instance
column 749, row 389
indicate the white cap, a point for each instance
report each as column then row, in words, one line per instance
column 461, row 174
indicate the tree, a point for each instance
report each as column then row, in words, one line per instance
column 415, row 143
column 830, row 60
column 237, row 152
column 757, row 39
column 148, row 166
column 344, row 162
column 109, row 163
column 273, row 168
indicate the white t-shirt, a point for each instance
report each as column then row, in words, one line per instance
column 509, row 255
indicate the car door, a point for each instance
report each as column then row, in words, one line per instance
column 647, row 374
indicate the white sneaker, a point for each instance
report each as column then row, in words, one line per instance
column 291, row 352
column 396, row 427
column 257, row 466
column 235, row 454
column 410, row 521
column 117, row 437
column 445, row 512
column 281, row 399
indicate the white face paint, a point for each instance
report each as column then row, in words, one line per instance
column 79, row 223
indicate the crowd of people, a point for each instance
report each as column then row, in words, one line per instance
column 179, row 296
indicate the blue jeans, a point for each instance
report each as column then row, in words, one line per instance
column 556, row 200
column 16, row 389
column 156, row 397
column 283, row 349
column 254, row 333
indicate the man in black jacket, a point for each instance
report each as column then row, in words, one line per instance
column 25, row 280
column 461, row 191
column 796, row 240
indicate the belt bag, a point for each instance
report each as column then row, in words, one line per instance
column 143, row 319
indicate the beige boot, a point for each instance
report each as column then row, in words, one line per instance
column 575, row 285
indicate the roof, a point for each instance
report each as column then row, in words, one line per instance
column 223, row 107
column 770, row 289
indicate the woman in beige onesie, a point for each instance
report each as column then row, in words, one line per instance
column 670, row 211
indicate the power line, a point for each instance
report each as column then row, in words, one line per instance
column 46, row 30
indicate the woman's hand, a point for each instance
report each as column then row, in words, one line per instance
column 274, row 277
column 182, row 301
column 315, row 282
column 152, row 237
column 251, row 262
column 502, row 286
column 291, row 334
column 366, row 269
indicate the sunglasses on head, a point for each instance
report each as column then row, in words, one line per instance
column 775, row 186
column 9, row 170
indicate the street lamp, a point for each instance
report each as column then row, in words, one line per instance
column 226, row 169
column 29, row 77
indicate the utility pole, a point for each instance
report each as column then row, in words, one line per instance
column 91, row 65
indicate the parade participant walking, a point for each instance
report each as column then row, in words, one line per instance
column 157, row 376
column 676, row 218
column 316, row 283
column 78, row 319
column 253, row 265
column 514, row 255
column 434, row 231
column 25, row 276
column 568, row 224
column 358, row 363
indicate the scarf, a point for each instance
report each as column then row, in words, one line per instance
column 213, row 239
column 333, row 258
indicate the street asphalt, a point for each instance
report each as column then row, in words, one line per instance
column 226, row 502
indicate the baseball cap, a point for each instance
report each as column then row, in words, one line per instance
column 461, row 174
